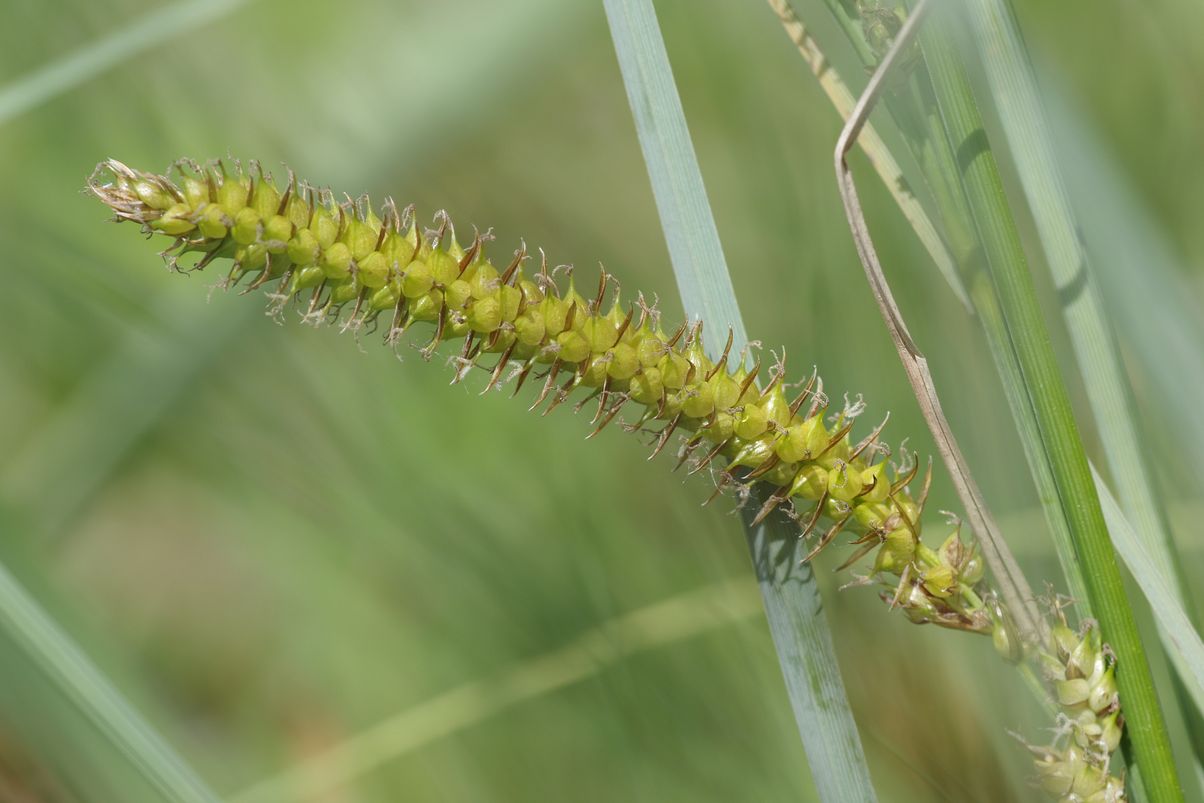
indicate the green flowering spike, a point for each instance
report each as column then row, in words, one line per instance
column 342, row 262
column 1072, row 776
column 1081, row 673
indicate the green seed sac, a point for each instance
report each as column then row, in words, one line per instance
column 1074, row 769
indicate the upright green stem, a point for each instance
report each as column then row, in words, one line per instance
column 913, row 109
column 1051, row 405
column 1015, row 95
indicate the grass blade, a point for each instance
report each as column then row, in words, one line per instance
column 792, row 604
column 1155, row 309
column 681, row 200
column 1014, row 93
column 66, row 73
column 922, row 130
column 1185, row 649
column 1022, row 121
column 990, row 314
column 131, row 746
column 1051, row 405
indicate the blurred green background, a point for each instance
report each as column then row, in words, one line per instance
column 273, row 543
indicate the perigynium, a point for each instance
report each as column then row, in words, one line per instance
column 1089, row 723
column 345, row 263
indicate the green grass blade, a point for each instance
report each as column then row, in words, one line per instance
column 1051, row 404
column 1185, row 649
column 1156, row 308
column 1014, row 93
column 796, row 619
column 131, row 748
column 681, row 200
column 63, row 74
column 1139, row 328
column 926, row 137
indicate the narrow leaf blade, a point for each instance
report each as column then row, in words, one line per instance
column 93, row 705
column 792, row 605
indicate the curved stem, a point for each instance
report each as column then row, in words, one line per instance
column 1013, row 587
column 1050, row 403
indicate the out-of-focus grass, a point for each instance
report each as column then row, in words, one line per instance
column 294, row 542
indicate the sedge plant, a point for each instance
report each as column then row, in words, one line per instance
column 363, row 269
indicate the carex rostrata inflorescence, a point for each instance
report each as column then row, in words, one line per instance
column 345, row 262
